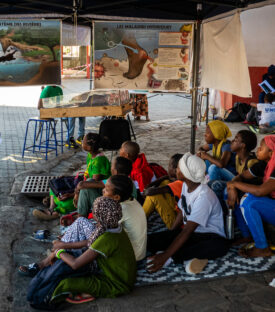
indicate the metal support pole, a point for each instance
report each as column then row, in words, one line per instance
column 207, row 105
column 196, row 54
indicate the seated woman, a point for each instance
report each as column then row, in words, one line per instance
column 259, row 205
column 221, row 165
column 98, row 168
column 203, row 234
column 163, row 194
column 244, row 142
column 110, row 247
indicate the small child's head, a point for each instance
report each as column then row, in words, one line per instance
column 173, row 165
column 266, row 148
column 216, row 130
column 118, row 187
column 91, row 142
column 269, row 98
column 121, row 165
column 129, row 150
column 191, row 168
column 244, row 139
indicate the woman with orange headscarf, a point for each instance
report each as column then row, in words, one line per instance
column 259, row 205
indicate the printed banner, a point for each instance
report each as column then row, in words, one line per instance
column 142, row 56
column 29, row 52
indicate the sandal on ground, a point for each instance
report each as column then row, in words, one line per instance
column 42, row 215
column 78, row 299
column 68, row 219
column 42, row 236
column 29, row 270
column 195, row 266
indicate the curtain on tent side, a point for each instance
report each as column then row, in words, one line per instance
column 224, row 58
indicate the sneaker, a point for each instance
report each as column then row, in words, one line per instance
column 71, row 143
column 79, row 139
column 195, row 266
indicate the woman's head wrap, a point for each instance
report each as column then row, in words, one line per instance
column 193, row 168
column 108, row 212
column 220, row 132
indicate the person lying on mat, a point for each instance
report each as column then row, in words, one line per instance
column 163, row 194
column 110, row 247
column 221, row 165
column 98, row 168
column 258, row 205
column 202, row 236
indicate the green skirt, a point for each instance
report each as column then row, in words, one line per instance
column 63, row 206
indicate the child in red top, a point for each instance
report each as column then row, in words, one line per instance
column 163, row 194
column 141, row 173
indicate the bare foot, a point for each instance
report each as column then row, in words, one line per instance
column 46, row 201
column 136, row 60
column 255, row 252
column 241, row 241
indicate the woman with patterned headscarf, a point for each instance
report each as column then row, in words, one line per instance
column 259, row 204
column 109, row 245
column 221, row 165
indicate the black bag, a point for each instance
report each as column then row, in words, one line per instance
column 65, row 185
column 113, row 132
column 237, row 113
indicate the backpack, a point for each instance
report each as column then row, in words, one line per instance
column 237, row 113
column 65, row 185
column 158, row 170
column 113, row 132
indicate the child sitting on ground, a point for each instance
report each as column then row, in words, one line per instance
column 141, row 174
column 244, row 142
column 259, row 205
column 119, row 188
column 163, row 194
column 220, row 166
column 88, row 191
column 98, row 168
column 109, row 245
column 203, row 234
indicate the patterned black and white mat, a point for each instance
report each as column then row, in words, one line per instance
column 229, row 265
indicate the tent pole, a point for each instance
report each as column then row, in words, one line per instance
column 196, row 54
column 207, row 105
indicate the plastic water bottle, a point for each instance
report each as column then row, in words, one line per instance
column 230, row 224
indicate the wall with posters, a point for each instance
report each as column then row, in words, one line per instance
column 29, row 52
column 142, row 56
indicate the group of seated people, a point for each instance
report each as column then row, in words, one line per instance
column 107, row 236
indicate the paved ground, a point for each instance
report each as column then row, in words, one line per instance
column 167, row 133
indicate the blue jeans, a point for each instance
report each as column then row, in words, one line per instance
column 216, row 173
column 256, row 209
column 81, row 128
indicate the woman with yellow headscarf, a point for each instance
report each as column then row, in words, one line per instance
column 221, row 164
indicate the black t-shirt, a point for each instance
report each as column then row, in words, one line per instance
column 258, row 169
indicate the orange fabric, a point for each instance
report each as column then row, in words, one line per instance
column 176, row 188
column 270, row 142
column 141, row 172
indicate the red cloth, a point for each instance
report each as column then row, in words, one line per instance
column 270, row 142
column 141, row 172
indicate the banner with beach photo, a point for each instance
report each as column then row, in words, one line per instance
column 142, row 56
column 29, row 52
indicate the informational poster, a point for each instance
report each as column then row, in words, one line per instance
column 29, row 52
column 142, row 56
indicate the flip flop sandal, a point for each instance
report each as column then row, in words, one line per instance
column 78, row 299
column 41, row 215
column 43, row 236
column 30, row 270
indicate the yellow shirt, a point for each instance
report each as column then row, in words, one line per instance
column 240, row 167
